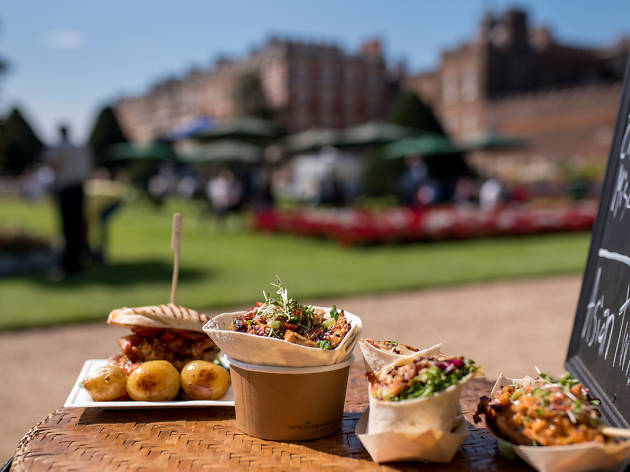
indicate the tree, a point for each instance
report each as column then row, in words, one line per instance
column 249, row 96
column 408, row 110
column 381, row 175
column 105, row 133
column 19, row 145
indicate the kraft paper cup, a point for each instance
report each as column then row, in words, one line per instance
column 289, row 403
column 255, row 349
column 590, row 456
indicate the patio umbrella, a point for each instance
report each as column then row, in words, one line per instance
column 239, row 128
column 312, row 139
column 190, row 128
column 375, row 133
column 142, row 151
column 425, row 145
column 493, row 141
column 224, row 151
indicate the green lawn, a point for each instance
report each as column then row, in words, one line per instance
column 222, row 268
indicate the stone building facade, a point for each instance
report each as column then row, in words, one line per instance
column 305, row 84
column 518, row 80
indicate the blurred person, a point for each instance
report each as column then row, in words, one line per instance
column 428, row 193
column 224, row 192
column 465, row 191
column 490, row 194
column 37, row 183
column 72, row 165
column 162, row 185
column 104, row 197
column 262, row 191
column 187, row 186
column 413, row 176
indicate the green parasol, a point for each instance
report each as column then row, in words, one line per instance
column 141, row 151
column 425, row 145
column 239, row 128
column 312, row 140
column 375, row 133
column 492, row 141
column 224, row 151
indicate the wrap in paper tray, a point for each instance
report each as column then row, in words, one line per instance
column 428, row 445
column 278, row 352
column 376, row 358
column 590, row 456
column 437, row 411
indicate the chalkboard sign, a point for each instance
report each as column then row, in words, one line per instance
column 599, row 351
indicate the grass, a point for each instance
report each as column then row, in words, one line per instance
column 220, row 268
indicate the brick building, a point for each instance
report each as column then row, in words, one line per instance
column 518, row 80
column 305, row 84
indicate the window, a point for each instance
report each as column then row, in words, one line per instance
column 327, row 73
column 449, row 87
column 469, row 124
column 469, row 85
column 451, row 122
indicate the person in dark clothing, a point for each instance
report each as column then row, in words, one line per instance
column 72, row 165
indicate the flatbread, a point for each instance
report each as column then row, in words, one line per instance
column 437, row 412
column 376, row 358
column 159, row 316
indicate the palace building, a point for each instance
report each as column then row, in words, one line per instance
column 305, row 84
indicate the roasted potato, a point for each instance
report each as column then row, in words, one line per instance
column 153, row 381
column 203, row 380
column 106, row 384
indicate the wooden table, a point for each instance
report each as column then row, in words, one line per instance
column 207, row 439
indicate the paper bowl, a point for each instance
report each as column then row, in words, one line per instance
column 278, row 352
column 428, row 445
column 289, row 403
column 583, row 457
column 376, row 358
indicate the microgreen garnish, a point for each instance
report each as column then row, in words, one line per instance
column 281, row 316
column 324, row 345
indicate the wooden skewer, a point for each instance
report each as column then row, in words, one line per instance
column 616, row 432
column 176, row 237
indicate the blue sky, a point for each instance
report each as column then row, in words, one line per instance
column 70, row 57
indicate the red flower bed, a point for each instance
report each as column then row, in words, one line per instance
column 392, row 225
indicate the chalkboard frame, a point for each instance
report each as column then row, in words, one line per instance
column 573, row 363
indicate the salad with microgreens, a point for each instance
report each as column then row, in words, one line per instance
column 282, row 317
column 420, row 377
column 543, row 411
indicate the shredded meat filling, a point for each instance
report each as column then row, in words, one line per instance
column 177, row 347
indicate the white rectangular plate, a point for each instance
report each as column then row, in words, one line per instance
column 80, row 398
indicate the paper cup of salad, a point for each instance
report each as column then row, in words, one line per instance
column 551, row 423
column 279, row 331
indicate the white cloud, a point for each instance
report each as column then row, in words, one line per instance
column 64, row 39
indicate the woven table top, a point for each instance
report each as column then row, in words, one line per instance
column 207, row 439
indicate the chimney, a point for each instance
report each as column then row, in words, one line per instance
column 515, row 22
column 372, row 48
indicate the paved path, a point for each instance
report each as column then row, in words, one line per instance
column 505, row 326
